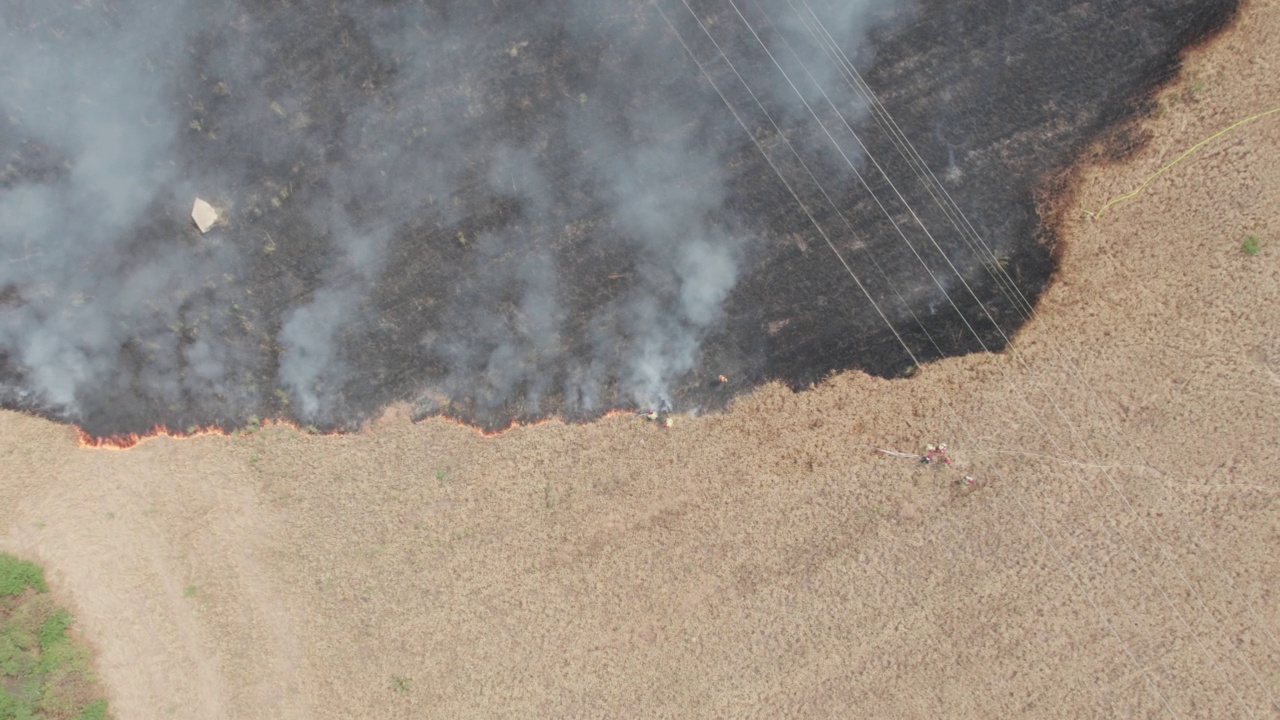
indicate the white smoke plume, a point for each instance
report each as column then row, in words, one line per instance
column 93, row 285
column 345, row 145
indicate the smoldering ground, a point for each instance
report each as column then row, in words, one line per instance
column 507, row 210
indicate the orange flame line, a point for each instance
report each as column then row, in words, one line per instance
column 126, row 441
column 517, row 425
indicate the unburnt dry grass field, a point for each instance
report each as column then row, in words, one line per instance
column 1117, row 558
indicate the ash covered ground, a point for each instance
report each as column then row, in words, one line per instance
column 507, row 210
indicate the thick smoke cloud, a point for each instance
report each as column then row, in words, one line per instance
column 686, row 267
column 348, row 147
column 92, row 274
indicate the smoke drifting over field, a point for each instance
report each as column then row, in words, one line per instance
column 496, row 210
column 91, row 283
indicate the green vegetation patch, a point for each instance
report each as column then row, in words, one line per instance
column 18, row 575
column 44, row 674
column 1251, row 245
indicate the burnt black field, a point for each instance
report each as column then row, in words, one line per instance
column 508, row 210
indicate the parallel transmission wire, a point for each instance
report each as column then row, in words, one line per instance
column 1035, row 379
column 998, row 273
column 1163, row 548
column 1106, row 622
column 845, row 221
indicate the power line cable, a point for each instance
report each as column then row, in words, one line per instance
column 998, row 272
column 1035, row 379
column 1049, row 543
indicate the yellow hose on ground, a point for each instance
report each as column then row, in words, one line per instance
column 1095, row 214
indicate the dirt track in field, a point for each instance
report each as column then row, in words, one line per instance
column 1118, row 559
